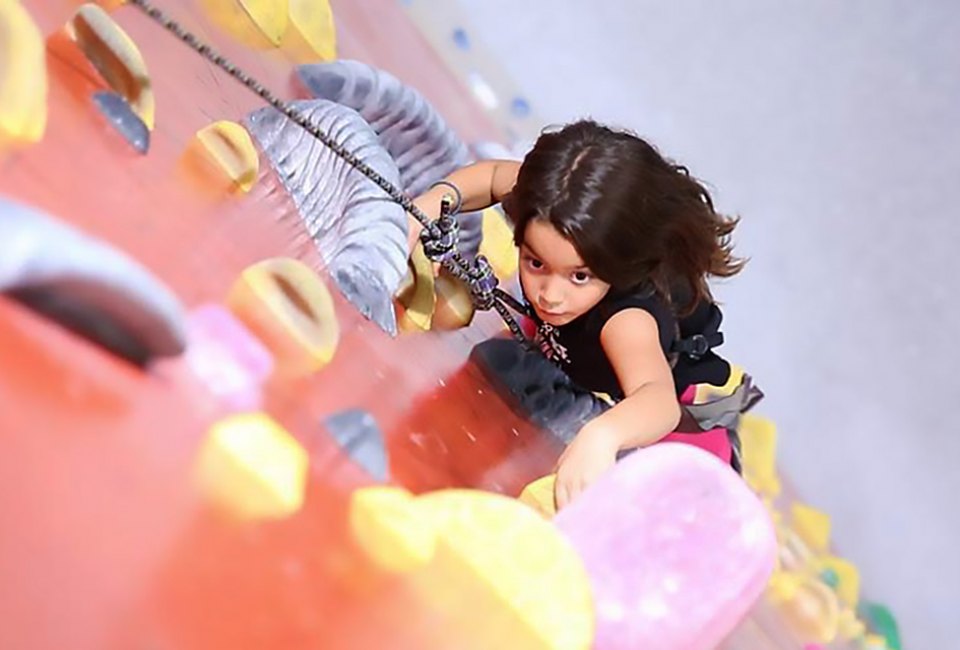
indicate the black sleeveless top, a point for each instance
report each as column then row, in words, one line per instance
column 576, row 348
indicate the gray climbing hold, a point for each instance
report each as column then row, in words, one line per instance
column 88, row 286
column 127, row 123
column 360, row 233
column 543, row 393
column 424, row 147
column 357, row 433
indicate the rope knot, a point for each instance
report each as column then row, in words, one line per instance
column 484, row 283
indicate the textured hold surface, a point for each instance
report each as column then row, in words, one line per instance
column 417, row 297
column 359, row 436
column 226, row 357
column 359, row 231
column 424, row 147
column 87, row 286
column 229, row 147
column 122, row 118
column 487, row 551
column 287, row 305
column 116, row 57
column 23, row 77
column 543, row 392
column 250, row 466
column 311, row 33
column 677, row 547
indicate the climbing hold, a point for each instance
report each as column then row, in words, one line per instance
column 390, row 529
column 497, row 244
column 259, row 24
column 460, row 38
column 809, row 607
column 311, row 34
column 454, row 308
column 287, row 305
column 87, row 286
column 673, row 502
column 846, row 575
column 23, row 77
column 539, row 495
column 881, row 622
column 416, row 296
column 230, row 361
column 483, row 561
column 758, row 439
column 358, row 435
column 812, row 525
column 116, row 57
column 252, row 468
column 228, row 146
column 520, row 107
column 122, row 118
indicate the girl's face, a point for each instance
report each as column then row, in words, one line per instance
column 555, row 280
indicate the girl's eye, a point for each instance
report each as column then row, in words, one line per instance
column 581, row 277
column 534, row 263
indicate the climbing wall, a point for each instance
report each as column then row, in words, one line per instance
column 217, row 433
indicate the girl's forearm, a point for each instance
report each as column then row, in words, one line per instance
column 641, row 419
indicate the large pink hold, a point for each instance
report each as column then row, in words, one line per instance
column 677, row 547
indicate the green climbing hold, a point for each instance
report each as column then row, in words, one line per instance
column 881, row 622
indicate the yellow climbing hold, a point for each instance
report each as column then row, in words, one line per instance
column 454, row 308
column 253, row 468
column 287, row 305
column 496, row 569
column 847, row 575
column 812, row 525
column 388, row 526
column 311, row 35
column 497, row 244
column 116, row 57
column 539, row 495
column 808, row 606
column 23, row 77
column 758, row 438
column 229, row 147
column 416, row 297
column 260, row 24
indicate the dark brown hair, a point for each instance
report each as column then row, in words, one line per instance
column 634, row 217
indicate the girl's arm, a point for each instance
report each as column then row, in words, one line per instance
column 649, row 411
column 481, row 185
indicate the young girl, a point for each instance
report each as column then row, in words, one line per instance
column 615, row 243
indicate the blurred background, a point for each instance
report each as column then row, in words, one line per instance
column 833, row 129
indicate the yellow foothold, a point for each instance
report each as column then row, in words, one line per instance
column 812, row 525
column 287, row 305
column 416, row 297
column 808, row 606
column 258, row 24
column 850, row 627
column 390, row 529
column 253, row 468
column 229, row 147
column 847, row 575
column 116, row 57
column 497, row 244
column 23, row 77
column 454, row 308
column 311, row 34
column 539, row 495
column 758, row 437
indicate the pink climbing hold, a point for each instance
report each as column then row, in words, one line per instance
column 230, row 361
column 677, row 547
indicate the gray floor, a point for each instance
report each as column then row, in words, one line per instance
column 833, row 128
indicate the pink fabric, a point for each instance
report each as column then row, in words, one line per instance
column 716, row 441
column 677, row 547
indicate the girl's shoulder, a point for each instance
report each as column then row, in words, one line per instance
column 644, row 298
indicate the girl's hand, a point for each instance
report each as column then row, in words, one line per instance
column 592, row 452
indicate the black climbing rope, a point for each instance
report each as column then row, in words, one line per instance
column 440, row 237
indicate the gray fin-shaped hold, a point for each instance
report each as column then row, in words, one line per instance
column 360, row 233
column 87, row 286
column 543, row 393
column 423, row 145
column 122, row 118
column 359, row 436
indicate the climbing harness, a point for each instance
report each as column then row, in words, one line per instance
column 439, row 237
